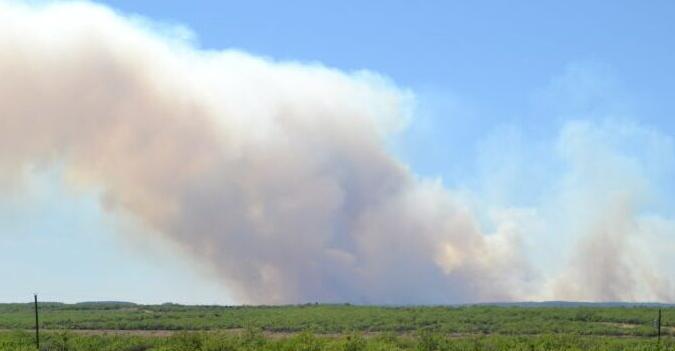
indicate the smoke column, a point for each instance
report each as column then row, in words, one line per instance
column 275, row 174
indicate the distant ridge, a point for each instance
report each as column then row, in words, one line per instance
column 116, row 303
column 525, row 304
column 577, row 304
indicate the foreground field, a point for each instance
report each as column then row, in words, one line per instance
column 255, row 340
column 119, row 326
column 331, row 319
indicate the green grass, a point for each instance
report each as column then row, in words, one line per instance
column 335, row 327
column 621, row 321
column 253, row 340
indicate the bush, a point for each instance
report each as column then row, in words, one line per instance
column 427, row 341
column 354, row 342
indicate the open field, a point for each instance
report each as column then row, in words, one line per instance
column 253, row 340
column 332, row 319
column 121, row 326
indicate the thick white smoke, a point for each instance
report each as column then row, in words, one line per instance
column 274, row 173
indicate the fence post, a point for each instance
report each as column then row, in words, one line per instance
column 658, row 328
column 37, row 325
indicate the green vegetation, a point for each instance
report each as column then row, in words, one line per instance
column 96, row 326
column 322, row 319
column 249, row 341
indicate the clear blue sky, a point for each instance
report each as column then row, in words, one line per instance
column 483, row 71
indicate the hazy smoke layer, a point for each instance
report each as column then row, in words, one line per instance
column 276, row 174
column 623, row 252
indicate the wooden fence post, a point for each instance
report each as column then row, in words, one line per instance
column 37, row 325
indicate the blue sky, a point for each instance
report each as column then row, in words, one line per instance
column 485, row 74
column 476, row 67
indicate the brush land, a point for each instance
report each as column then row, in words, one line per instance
column 170, row 327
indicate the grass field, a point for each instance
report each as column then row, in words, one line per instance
column 120, row 326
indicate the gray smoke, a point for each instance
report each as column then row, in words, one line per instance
column 275, row 174
column 616, row 255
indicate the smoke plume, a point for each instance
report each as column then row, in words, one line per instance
column 274, row 174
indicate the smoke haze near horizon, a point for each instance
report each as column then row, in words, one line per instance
column 278, row 177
